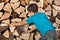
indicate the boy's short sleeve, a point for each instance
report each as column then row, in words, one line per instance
column 29, row 20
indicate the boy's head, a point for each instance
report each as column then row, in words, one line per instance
column 32, row 8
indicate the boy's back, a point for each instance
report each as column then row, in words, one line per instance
column 41, row 22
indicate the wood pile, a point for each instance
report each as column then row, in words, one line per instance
column 16, row 11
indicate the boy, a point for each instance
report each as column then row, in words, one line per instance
column 41, row 22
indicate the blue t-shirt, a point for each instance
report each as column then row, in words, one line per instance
column 41, row 22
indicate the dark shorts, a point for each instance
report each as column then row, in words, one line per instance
column 50, row 35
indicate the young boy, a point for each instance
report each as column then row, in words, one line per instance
column 41, row 22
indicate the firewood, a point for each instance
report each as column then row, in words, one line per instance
column 15, row 5
column 57, row 2
column 17, row 38
column 56, row 7
column 1, row 13
column 6, row 1
column 41, row 10
column 6, row 15
column 55, row 12
column 2, row 24
column 15, row 33
column 6, row 21
column 56, row 25
column 31, row 2
column 45, row 4
column 57, row 21
column 25, row 36
column 12, row 28
column 48, row 8
column 6, row 34
column 20, row 9
column 3, row 28
column 50, row 1
column 39, row 4
column 14, row 39
column 37, row 36
column 7, row 8
column 1, row 5
column 26, row 9
column 27, row 2
column 13, row 1
column 16, row 20
column 31, row 37
column 23, row 2
column 48, row 13
column 1, row 1
column 23, row 14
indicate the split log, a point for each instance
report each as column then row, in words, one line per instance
column 25, row 36
column 12, row 28
column 16, row 20
column 15, row 5
column 1, row 13
column 6, row 34
column 50, row 1
column 15, row 33
column 56, row 25
column 31, row 2
column 6, row 21
column 57, row 21
column 48, row 13
column 7, row 8
column 55, row 12
column 2, row 24
column 48, row 8
column 6, row 1
column 14, row 1
column 39, row 4
column 17, row 38
column 23, row 14
column 57, row 2
column 6, row 15
column 20, row 9
column 1, row 5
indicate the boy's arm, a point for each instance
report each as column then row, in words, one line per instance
column 19, row 23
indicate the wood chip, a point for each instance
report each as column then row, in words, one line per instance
column 7, row 7
column 6, row 34
column 1, row 5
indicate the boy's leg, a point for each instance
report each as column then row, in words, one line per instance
column 50, row 35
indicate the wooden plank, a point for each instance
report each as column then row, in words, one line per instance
column 1, row 13
column 6, row 15
column 7, row 7
column 23, row 14
column 20, row 9
column 6, row 34
column 6, row 21
column 15, row 5
column 1, row 5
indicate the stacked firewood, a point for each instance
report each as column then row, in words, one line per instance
column 13, row 11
